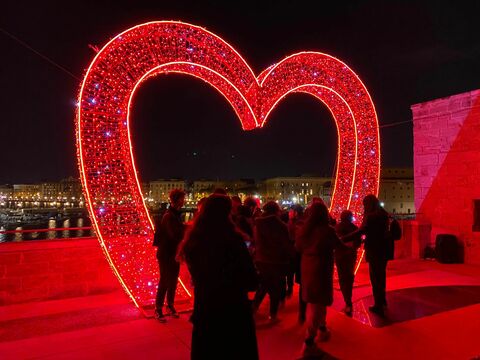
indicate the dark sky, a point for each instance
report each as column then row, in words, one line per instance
column 404, row 51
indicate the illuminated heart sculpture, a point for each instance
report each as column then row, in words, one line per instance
column 106, row 160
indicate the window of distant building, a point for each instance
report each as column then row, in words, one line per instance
column 476, row 215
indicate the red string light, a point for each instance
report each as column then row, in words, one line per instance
column 106, row 159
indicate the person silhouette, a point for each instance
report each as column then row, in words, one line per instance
column 316, row 242
column 345, row 258
column 375, row 226
column 273, row 254
column 222, row 273
column 168, row 235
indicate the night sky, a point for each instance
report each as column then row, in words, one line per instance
column 405, row 52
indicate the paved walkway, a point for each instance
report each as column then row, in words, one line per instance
column 433, row 314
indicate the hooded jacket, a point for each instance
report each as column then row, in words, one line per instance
column 272, row 241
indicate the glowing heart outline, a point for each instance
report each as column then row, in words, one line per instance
column 105, row 154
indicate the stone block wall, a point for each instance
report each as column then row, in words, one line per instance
column 447, row 166
column 52, row 269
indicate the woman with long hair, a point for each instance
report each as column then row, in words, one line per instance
column 223, row 273
column 316, row 243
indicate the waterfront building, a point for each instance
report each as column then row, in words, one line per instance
column 71, row 188
column 396, row 192
column 301, row 189
column 204, row 187
column 158, row 190
column 51, row 190
column 26, row 191
column 6, row 191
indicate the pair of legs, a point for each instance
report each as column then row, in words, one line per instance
column 378, row 278
column 346, row 276
column 272, row 279
column 167, row 286
column 316, row 320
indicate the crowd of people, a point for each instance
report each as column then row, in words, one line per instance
column 232, row 249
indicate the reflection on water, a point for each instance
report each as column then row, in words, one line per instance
column 66, row 224
column 71, row 222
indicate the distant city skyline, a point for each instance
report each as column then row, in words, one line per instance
column 395, row 191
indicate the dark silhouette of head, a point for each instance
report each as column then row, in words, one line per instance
column 298, row 210
column 236, row 199
column 271, row 208
column 211, row 226
column 346, row 216
column 217, row 207
column 317, row 199
column 370, row 203
column 177, row 198
column 250, row 203
column 317, row 217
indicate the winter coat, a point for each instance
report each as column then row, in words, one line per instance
column 375, row 227
column 168, row 235
column 223, row 273
column 272, row 241
column 317, row 264
column 353, row 242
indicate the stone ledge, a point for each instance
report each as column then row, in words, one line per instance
column 53, row 269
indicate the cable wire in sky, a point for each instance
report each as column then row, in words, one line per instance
column 46, row 58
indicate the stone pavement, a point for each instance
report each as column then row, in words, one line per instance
column 433, row 313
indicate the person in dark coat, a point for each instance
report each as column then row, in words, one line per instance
column 273, row 254
column 316, row 242
column 244, row 216
column 295, row 223
column 168, row 235
column 345, row 259
column 222, row 273
column 375, row 227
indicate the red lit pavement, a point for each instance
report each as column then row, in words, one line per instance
column 108, row 326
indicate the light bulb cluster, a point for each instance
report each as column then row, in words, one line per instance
column 104, row 148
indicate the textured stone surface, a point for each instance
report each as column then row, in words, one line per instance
column 447, row 166
column 52, row 269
